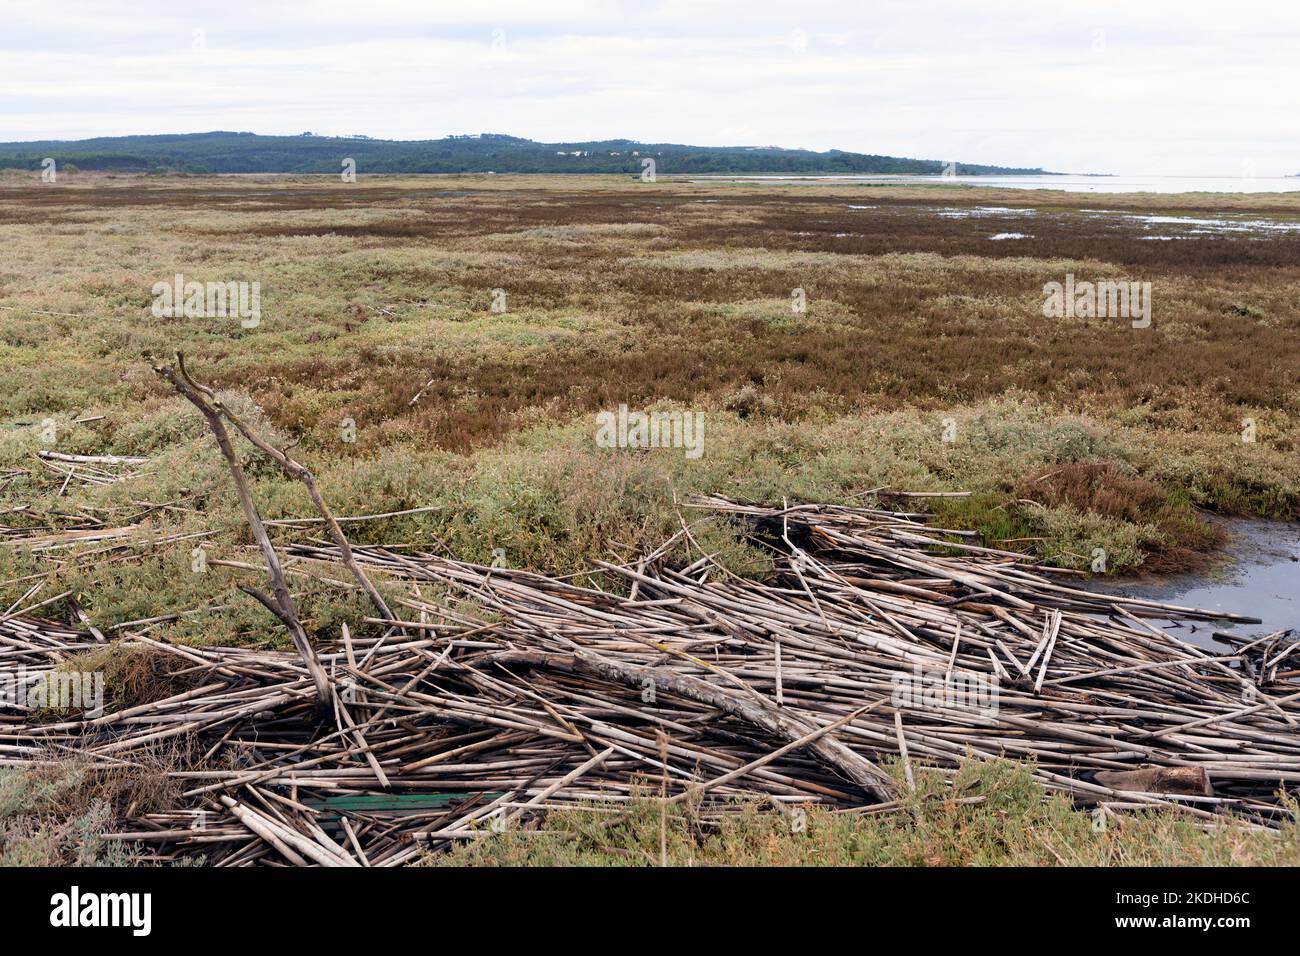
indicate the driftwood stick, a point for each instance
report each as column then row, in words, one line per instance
column 759, row 713
column 297, row 470
column 282, row 605
column 774, row 755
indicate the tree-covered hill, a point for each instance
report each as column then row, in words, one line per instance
column 223, row 152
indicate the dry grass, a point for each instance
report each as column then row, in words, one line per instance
column 1073, row 434
column 625, row 292
column 56, row 815
column 996, row 815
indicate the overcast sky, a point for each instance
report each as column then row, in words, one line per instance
column 1122, row 86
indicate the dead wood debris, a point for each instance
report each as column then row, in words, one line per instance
column 501, row 694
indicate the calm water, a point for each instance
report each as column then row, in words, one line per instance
column 1229, row 225
column 1261, row 579
column 1072, row 184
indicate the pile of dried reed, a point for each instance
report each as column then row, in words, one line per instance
column 498, row 694
column 493, row 695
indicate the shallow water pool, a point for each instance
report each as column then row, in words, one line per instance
column 1260, row 578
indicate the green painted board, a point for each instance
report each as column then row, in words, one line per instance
column 394, row 801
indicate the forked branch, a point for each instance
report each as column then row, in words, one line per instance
column 280, row 602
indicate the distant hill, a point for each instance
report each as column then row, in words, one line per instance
column 220, row 152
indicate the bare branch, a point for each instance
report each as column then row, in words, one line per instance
column 282, row 605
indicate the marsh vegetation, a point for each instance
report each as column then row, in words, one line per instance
column 922, row 362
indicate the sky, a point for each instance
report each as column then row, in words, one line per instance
column 1113, row 86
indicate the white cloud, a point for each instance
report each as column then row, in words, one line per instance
column 1103, row 86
